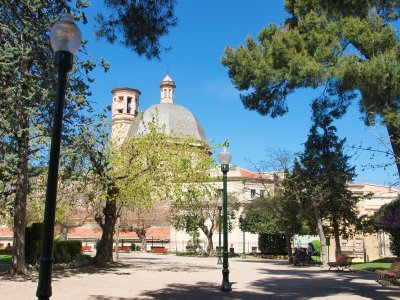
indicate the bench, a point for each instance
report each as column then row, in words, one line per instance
column 391, row 274
column 6, row 251
column 123, row 249
column 341, row 262
column 158, row 249
column 86, row 248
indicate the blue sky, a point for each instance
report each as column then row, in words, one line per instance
column 204, row 29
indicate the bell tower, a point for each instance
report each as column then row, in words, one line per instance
column 125, row 108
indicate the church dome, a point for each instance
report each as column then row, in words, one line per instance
column 178, row 120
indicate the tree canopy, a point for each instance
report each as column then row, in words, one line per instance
column 387, row 218
column 27, row 74
column 321, row 175
column 349, row 49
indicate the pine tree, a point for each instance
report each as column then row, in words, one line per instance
column 322, row 174
column 349, row 48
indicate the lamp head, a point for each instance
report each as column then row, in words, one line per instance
column 65, row 35
column 224, row 156
column 219, row 203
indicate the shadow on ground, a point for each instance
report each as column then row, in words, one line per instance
column 303, row 284
column 200, row 290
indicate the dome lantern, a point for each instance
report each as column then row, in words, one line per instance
column 167, row 87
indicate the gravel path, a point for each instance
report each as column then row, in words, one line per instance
column 150, row 276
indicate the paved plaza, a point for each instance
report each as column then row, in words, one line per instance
column 151, row 276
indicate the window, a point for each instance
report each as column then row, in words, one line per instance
column 129, row 106
column 120, row 104
column 262, row 193
column 252, row 193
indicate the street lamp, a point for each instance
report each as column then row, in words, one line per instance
column 224, row 159
column 219, row 203
column 244, row 235
column 65, row 39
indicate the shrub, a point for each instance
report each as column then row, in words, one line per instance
column 66, row 251
column 316, row 244
column 272, row 244
column 33, row 238
column 135, row 247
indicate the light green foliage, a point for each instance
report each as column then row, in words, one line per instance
column 153, row 166
column 153, row 173
column 198, row 210
column 345, row 47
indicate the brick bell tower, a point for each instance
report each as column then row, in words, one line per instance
column 125, row 108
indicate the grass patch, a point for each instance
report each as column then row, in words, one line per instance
column 379, row 264
column 5, row 258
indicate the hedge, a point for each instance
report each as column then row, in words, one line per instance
column 272, row 244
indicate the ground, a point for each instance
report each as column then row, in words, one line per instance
column 152, row 276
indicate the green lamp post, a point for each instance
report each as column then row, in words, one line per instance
column 224, row 159
column 65, row 39
column 244, row 234
column 219, row 203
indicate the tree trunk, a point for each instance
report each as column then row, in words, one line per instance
column 210, row 244
column 64, row 232
column 117, row 240
column 394, row 136
column 141, row 233
column 18, row 253
column 338, row 250
column 104, row 251
column 321, row 233
column 289, row 248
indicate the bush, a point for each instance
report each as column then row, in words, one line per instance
column 316, row 244
column 135, row 247
column 67, row 251
column 272, row 244
column 33, row 238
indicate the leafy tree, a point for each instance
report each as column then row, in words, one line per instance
column 349, row 48
column 139, row 220
column 147, row 169
column 276, row 214
column 322, row 175
column 387, row 218
column 26, row 105
column 199, row 210
column 74, row 204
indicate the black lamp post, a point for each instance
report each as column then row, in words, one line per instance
column 244, row 235
column 65, row 38
column 219, row 203
column 225, row 158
